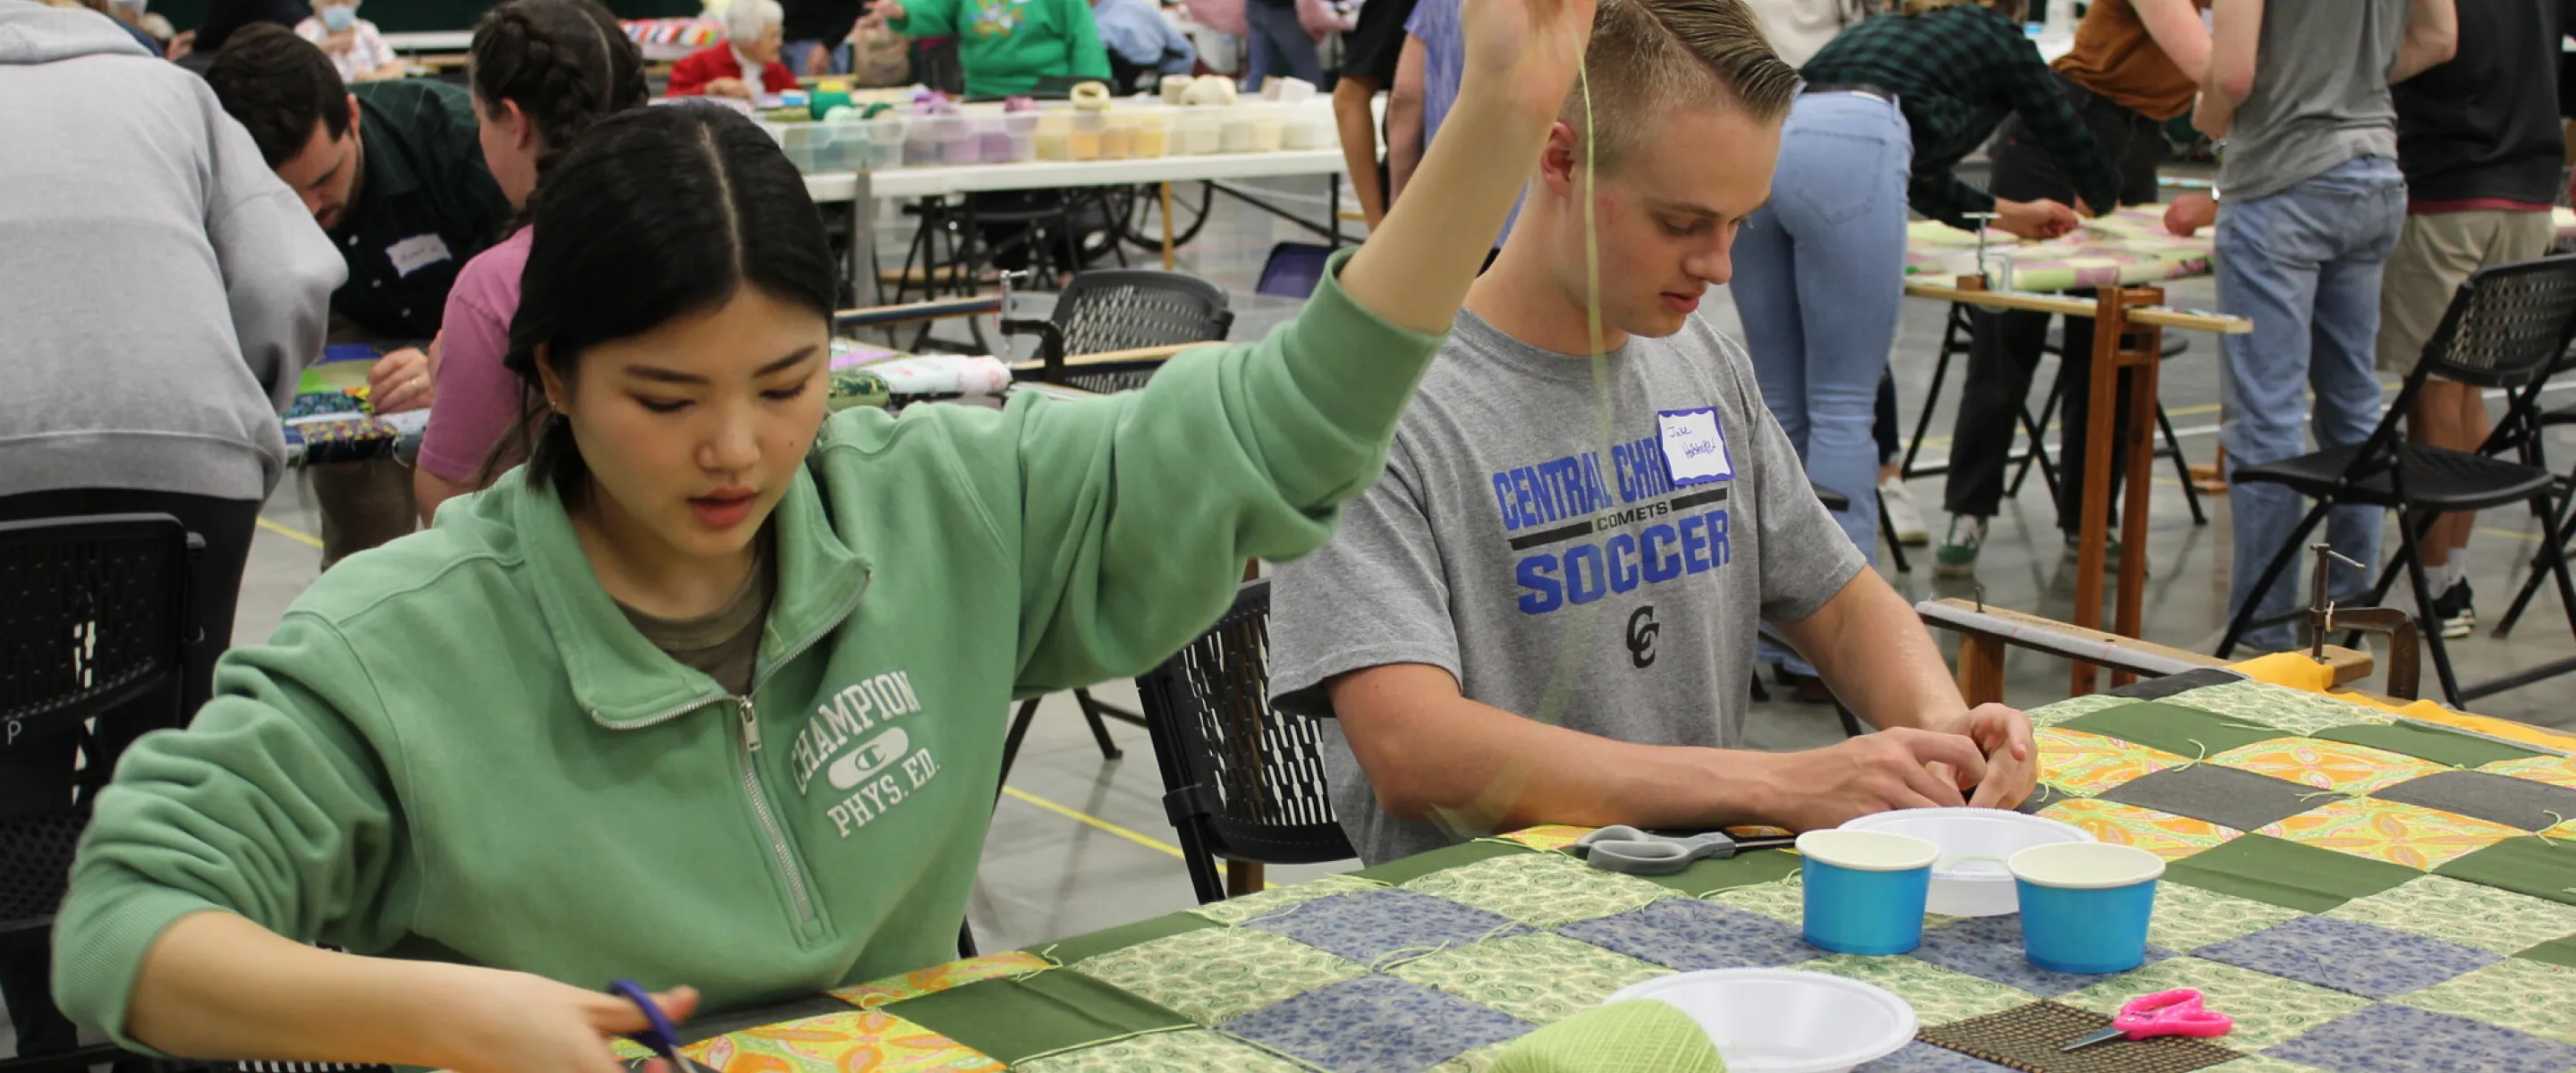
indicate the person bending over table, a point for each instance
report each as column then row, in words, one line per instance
column 2136, row 65
column 755, row 33
column 1889, row 109
column 393, row 173
column 543, row 72
column 1006, row 47
column 703, row 696
column 1535, row 618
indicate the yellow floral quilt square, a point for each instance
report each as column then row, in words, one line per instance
column 2327, row 765
column 1551, row 836
column 918, row 982
column 2163, row 834
column 2087, row 764
column 860, row 1041
column 2554, row 770
column 2410, row 835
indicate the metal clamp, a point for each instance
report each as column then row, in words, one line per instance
column 2324, row 616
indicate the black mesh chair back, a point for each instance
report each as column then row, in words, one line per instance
column 2508, row 325
column 92, row 621
column 1123, row 309
column 1242, row 780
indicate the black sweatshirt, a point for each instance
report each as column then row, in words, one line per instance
column 2485, row 124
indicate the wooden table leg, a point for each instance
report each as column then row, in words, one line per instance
column 2142, row 361
column 1981, row 669
column 2095, row 532
column 1167, row 227
column 1243, row 877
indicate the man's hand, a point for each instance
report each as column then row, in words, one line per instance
column 2035, row 220
column 2012, row 758
column 401, row 381
column 1873, row 773
column 2189, row 213
column 1529, row 49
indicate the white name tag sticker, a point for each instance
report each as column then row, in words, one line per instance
column 417, row 252
column 1694, row 446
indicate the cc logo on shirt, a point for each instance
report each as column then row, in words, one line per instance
column 1641, row 636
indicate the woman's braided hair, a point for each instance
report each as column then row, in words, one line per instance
column 566, row 62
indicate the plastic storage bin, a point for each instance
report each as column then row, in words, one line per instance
column 935, row 139
column 886, row 135
column 1309, row 127
column 1007, row 139
column 807, row 145
column 1153, row 133
column 1195, row 131
column 1090, row 130
column 1054, row 135
column 1234, row 130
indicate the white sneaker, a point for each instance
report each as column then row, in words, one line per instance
column 1902, row 515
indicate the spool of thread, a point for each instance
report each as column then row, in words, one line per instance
column 1090, row 96
column 822, row 102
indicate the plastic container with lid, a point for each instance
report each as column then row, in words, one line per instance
column 1118, row 136
column 1153, row 133
column 849, row 148
column 1085, row 141
column 1195, row 131
column 1269, row 127
column 1234, row 130
column 968, row 146
column 807, row 145
column 1054, row 135
column 1309, row 127
column 1010, row 139
column 931, row 139
column 886, row 135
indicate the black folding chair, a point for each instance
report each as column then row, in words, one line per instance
column 1118, row 309
column 2505, row 328
column 93, row 644
column 1242, row 781
column 2527, row 439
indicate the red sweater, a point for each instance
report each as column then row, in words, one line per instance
column 690, row 76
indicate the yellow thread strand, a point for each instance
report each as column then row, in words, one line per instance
column 1584, row 620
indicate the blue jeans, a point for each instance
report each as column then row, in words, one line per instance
column 799, row 56
column 1279, row 45
column 1819, row 273
column 2303, row 264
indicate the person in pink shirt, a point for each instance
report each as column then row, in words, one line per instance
column 543, row 72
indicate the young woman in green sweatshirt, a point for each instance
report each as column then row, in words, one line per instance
column 709, row 694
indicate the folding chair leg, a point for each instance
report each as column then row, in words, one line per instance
column 1019, row 732
column 2035, row 426
column 1932, row 396
column 1851, row 723
column 1099, row 732
column 2560, row 529
column 2427, row 624
column 2244, row 618
column 2182, row 468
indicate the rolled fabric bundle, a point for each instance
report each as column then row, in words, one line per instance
column 1637, row 1036
column 1209, row 90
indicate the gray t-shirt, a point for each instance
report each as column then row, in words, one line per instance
column 2320, row 94
column 1558, row 576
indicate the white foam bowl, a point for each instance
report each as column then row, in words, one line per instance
column 1778, row 1021
column 1970, row 879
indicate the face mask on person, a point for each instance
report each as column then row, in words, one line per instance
column 338, row 18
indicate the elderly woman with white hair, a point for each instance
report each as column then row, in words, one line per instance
column 754, row 33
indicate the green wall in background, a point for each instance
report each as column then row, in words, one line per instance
column 394, row 16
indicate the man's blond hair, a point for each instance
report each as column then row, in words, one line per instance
column 1647, row 56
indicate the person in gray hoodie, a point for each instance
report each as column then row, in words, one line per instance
column 160, row 292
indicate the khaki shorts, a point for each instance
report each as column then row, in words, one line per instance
column 2435, row 254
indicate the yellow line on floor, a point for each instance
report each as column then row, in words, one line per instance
column 1090, row 820
column 297, row 535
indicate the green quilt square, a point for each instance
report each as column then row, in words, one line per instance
column 2527, row 995
column 1541, row 890
column 2268, row 1009
column 1403, row 870
column 2255, row 1063
column 2175, row 728
column 2294, row 710
column 2470, row 914
column 2562, row 952
column 1235, row 911
column 1783, row 900
column 2279, row 872
column 1093, row 944
column 2055, row 712
column 2432, row 743
column 1218, row 973
column 1016, row 1020
column 1539, row 977
column 1742, row 870
column 1939, row 996
column 1191, row 1050
column 2188, row 918
column 2540, row 867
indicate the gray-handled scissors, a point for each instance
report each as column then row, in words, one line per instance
column 1621, row 848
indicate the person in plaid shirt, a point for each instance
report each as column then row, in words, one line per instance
column 1890, row 106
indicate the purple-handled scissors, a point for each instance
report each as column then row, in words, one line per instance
column 2165, row 1013
column 658, row 1035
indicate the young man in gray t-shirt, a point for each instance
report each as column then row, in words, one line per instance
column 1546, row 611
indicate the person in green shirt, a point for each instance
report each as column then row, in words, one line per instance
column 1006, row 46
column 707, row 694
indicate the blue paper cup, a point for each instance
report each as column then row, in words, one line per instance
column 2085, row 905
column 1865, row 890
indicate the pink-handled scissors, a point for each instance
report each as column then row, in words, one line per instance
column 2165, row 1013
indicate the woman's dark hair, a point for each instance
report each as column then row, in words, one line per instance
column 654, row 214
column 566, row 62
